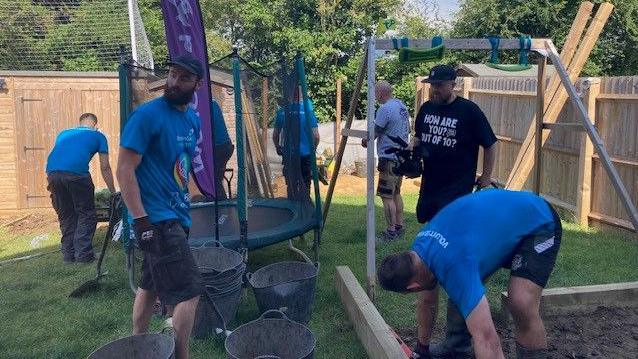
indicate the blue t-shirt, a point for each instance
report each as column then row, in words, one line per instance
column 475, row 235
column 297, row 110
column 220, row 131
column 74, row 149
column 166, row 138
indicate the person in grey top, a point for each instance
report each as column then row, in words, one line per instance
column 392, row 119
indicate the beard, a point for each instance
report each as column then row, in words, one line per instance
column 178, row 98
column 440, row 99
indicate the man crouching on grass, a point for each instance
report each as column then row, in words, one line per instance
column 465, row 243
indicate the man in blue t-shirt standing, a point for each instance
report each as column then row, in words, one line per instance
column 465, row 243
column 71, row 187
column 291, row 124
column 154, row 166
column 224, row 148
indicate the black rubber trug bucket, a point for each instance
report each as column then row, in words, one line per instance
column 141, row 346
column 207, row 319
column 222, row 272
column 216, row 260
column 272, row 335
column 289, row 286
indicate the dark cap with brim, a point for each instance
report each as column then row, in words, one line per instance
column 441, row 73
column 190, row 64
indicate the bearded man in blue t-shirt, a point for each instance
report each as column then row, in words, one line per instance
column 154, row 165
column 465, row 243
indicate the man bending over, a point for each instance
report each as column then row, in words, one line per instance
column 461, row 247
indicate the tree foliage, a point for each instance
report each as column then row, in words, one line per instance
column 613, row 55
column 62, row 34
column 329, row 33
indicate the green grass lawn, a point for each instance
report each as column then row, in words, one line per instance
column 40, row 321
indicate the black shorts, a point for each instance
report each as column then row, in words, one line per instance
column 172, row 273
column 535, row 257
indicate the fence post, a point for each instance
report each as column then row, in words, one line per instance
column 337, row 136
column 419, row 95
column 422, row 95
column 590, row 89
column 466, row 86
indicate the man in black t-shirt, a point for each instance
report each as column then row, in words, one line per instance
column 449, row 129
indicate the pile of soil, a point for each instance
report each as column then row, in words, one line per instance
column 602, row 332
column 32, row 222
column 350, row 185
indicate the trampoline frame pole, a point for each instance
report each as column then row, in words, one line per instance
column 301, row 72
column 124, row 77
column 242, row 209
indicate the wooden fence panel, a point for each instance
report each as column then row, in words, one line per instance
column 617, row 122
column 8, row 159
column 510, row 104
column 105, row 105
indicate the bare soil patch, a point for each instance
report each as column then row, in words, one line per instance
column 601, row 332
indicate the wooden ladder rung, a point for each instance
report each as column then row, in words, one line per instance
column 573, row 126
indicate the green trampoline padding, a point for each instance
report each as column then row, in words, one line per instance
column 269, row 221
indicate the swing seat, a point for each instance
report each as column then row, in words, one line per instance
column 413, row 56
column 509, row 67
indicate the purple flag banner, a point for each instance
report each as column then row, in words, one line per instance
column 185, row 35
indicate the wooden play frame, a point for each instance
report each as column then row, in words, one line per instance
column 550, row 100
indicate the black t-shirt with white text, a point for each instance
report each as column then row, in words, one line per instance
column 451, row 134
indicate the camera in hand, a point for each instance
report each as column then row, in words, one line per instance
column 409, row 162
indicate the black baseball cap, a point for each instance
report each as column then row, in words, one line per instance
column 190, row 64
column 440, row 73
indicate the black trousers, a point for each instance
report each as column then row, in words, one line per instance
column 298, row 176
column 72, row 197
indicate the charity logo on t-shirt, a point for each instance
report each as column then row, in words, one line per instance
column 181, row 170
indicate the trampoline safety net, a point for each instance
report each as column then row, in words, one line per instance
column 264, row 162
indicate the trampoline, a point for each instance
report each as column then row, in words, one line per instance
column 276, row 194
column 270, row 221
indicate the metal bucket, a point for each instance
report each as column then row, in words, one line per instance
column 287, row 286
column 272, row 335
column 141, row 346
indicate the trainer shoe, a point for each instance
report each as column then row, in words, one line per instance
column 387, row 236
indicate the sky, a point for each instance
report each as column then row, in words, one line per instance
column 447, row 6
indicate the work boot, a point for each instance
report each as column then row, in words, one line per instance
column 458, row 341
column 441, row 351
column 524, row 353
